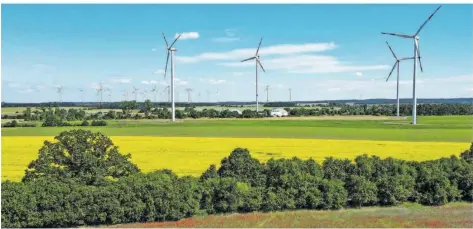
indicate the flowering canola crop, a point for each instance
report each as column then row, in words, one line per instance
column 193, row 155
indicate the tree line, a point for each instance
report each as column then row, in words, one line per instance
column 76, row 181
column 148, row 111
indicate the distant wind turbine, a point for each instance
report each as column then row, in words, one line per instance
column 396, row 64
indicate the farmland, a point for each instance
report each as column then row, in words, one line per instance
column 456, row 215
column 190, row 146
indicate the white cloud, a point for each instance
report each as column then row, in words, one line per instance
column 226, row 39
column 241, row 73
column 306, row 64
column 230, row 36
column 120, row 80
column 358, row 73
column 14, row 85
column 187, row 35
column 27, row 90
column 149, row 82
column 283, row 49
column 334, row 89
column 159, row 71
column 180, row 82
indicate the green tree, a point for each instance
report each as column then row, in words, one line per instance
column 243, row 167
column 361, row 191
column 81, row 156
column 148, row 106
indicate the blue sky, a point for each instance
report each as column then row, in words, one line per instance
column 320, row 51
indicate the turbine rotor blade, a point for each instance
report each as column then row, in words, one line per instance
column 166, row 68
column 257, row 50
column 167, row 45
column 251, row 58
column 260, row 65
column 394, row 66
column 407, row 58
column 398, row 35
column 395, row 57
column 428, row 19
column 175, row 40
column 418, row 55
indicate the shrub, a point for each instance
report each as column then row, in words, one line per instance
column 98, row 123
column 84, row 123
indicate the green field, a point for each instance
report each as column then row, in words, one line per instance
column 429, row 128
column 455, row 215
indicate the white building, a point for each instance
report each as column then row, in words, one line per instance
column 279, row 112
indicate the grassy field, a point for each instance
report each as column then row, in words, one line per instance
column 456, row 215
column 437, row 129
column 190, row 146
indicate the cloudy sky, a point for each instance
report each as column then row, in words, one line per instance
column 319, row 51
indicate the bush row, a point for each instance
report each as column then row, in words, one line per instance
column 240, row 184
column 15, row 123
column 83, row 123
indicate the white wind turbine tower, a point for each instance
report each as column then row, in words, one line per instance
column 60, row 89
column 125, row 95
column 189, row 99
column 415, row 38
column 290, row 95
column 155, row 92
column 396, row 64
column 257, row 60
column 81, row 95
column 171, row 51
column 109, row 94
column 100, row 93
column 267, row 93
column 168, row 92
column 135, row 92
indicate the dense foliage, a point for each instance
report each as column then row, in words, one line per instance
column 81, row 157
column 68, row 186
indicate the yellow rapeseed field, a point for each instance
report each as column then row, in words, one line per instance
column 192, row 155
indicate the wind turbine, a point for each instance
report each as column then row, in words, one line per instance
column 155, row 92
column 189, row 90
column 290, row 95
column 135, row 92
column 415, row 38
column 171, row 51
column 81, row 95
column 125, row 95
column 257, row 60
column 100, row 92
column 396, row 64
column 168, row 92
column 59, row 89
column 267, row 93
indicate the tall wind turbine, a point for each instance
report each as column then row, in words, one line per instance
column 267, row 93
column 415, row 38
column 290, row 95
column 396, row 64
column 258, row 62
column 171, row 51
column 189, row 90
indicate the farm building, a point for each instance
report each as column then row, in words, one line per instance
column 279, row 112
